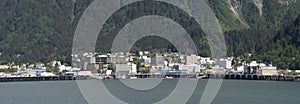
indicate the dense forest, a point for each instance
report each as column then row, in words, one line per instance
column 42, row 30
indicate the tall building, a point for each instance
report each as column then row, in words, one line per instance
column 102, row 59
column 267, row 70
column 157, row 60
column 126, row 68
column 192, row 59
column 224, row 63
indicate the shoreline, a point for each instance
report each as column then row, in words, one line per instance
column 44, row 78
column 169, row 77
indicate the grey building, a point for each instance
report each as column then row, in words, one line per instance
column 157, row 60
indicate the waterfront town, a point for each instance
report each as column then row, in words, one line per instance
column 132, row 65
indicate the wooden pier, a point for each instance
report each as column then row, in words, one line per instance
column 49, row 78
column 253, row 77
column 227, row 77
column 160, row 76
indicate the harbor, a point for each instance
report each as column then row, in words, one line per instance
column 145, row 65
column 253, row 77
column 67, row 92
column 43, row 78
column 151, row 76
column 212, row 76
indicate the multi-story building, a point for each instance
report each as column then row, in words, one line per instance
column 192, row 59
column 224, row 63
column 157, row 60
column 267, row 70
column 126, row 68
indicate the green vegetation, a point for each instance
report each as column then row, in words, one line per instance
column 9, row 70
column 56, row 72
column 34, row 31
column 37, row 30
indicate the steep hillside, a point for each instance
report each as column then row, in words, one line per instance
column 286, row 50
column 255, row 14
column 40, row 31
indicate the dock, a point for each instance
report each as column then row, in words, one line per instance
column 45, row 78
column 143, row 76
column 253, row 77
column 226, row 77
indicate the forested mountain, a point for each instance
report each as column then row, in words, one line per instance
column 257, row 14
column 281, row 47
column 38, row 30
column 42, row 30
column 285, row 51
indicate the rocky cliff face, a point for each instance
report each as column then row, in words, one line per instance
column 236, row 5
column 243, row 14
column 287, row 2
column 259, row 5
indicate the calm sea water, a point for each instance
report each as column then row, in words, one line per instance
column 231, row 92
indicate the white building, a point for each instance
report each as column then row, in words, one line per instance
column 268, row 70
column 117, row 59
column 216, row 70
column 85, row 73
column 4, row 66
column 102, row 59
column 239, row 69
column 253, row 63
column 126, row 68
column 133, row 68
column 206, row 60
column 36, row 72
column 40, row 66
column 47, row 74
column 146, row 52
column 191, row 68
column 224, row 63
column 192, row 59
column 254, row 67
column 53, row 63
column 157, row 60
column 146, row 61
column 141, row 53
column 63, row 67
